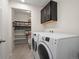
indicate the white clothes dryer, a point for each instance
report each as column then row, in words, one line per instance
column 58, row 46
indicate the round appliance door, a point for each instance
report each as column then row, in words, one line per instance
column 44, row 51
column 33, row 43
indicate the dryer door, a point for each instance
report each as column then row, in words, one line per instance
column 44, row 51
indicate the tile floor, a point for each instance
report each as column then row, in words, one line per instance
column 22, row 52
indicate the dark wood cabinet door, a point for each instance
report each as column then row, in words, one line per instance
column 49, row 12
column 53, row 11
column 45, row 14
column 42, row 16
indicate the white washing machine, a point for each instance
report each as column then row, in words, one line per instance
column 35, row 39
column 58, row 46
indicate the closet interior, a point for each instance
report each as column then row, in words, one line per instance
column 21, row 26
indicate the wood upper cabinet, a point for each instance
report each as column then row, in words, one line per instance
column 49, row 12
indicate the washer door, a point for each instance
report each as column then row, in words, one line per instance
column 35, row 46
column 33, row 43
column 44, row 51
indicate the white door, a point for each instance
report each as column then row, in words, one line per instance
column 5, row 30
column 0, row 34
column 2, row 42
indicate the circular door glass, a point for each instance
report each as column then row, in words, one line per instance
column 35, row 46
column 33, row 43
column 43, row 53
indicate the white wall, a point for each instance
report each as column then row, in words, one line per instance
column 35, row 15
column 68, row 17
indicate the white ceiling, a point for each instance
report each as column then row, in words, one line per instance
column 34, row 2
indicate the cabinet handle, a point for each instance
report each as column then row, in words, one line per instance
column 1, row 41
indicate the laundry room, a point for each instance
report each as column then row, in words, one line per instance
column 39, row 29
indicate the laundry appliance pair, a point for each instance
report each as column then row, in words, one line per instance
column 55, row 46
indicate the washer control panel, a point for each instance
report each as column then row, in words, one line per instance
column 47, row 39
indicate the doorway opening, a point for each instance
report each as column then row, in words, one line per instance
column 21, row 31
